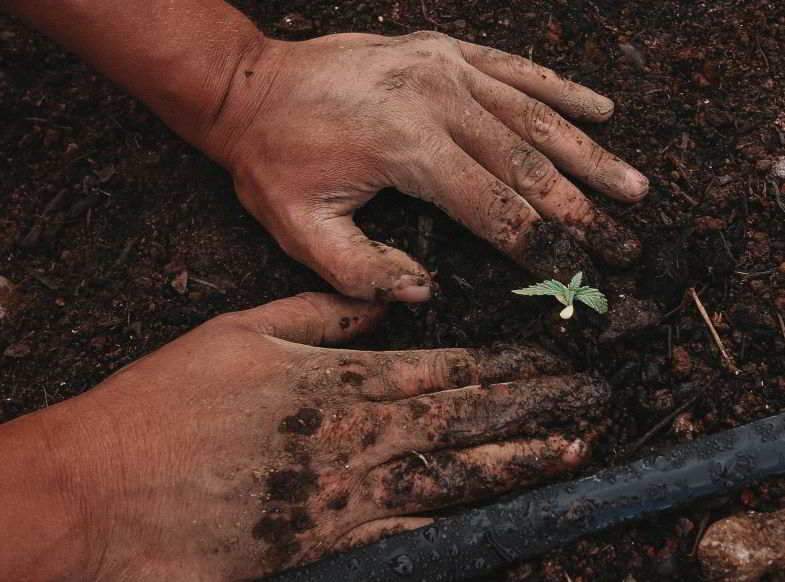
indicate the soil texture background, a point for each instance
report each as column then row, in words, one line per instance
column 119, row 237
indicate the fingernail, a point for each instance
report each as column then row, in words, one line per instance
column 605, row 107
column 635, row 184
column 412, row 289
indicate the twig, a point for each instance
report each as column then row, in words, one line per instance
column 782, row 324
column 777, row 195
column 426, row 16
column 660, row 425
column 762, row 54
column 422, row 457
column 758, row 274
column 717, row 339
column 701, row 530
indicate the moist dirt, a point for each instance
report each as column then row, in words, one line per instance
column 116, row 237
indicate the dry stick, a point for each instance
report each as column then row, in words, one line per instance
column 782, row 324
column 699, row 536
column 659, row 426
column 726, row 357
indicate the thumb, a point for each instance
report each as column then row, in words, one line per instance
column 314, row 318
column 358, row 267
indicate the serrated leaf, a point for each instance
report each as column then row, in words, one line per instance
column 576, row 281
column 593, row 298
column 550, row 287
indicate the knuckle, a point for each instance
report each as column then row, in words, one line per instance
column 428, row 35
column 451, row 369
column 226, row 321
column 505, row 214
column 532, row 171
column 542, row 123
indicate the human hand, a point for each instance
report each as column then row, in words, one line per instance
column 237, row 451
column 312, row 130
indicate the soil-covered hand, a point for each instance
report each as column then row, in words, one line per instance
column 237, row 450
column 313, row 130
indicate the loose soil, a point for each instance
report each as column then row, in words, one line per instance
column 119, row 237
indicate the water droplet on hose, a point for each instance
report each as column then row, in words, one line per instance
column 430, row 534
column 402, row 565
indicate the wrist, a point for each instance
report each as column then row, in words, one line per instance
column 242, row 102
column 44, row 530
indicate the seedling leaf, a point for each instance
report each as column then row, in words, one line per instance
column 593, row 298
column 551, row 287
column 566, row 295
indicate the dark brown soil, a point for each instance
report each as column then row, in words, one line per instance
column 119, row 237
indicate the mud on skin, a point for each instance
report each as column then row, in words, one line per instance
column 501, row 362
column 446, row 480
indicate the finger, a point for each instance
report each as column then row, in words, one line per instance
column 313, row 318
column 356, row 266
column 373, row 531
column 533, row 175
column 575, row 101
column 569, row 147
column 474, row 415
column 427, row 482
column 386, row 376
column 495, row 212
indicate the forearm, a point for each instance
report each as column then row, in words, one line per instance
column 178, row 56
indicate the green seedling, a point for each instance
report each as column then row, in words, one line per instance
column 567, row 294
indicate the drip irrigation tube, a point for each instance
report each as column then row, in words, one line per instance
column 521, row 527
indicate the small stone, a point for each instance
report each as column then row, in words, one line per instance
column 180, row 282
column 763, row 166
column 684, row 426
column 296, row 22
column 6, row 297
column 778, row 168
column 17, row 351
column 744, row 547
column 681, row 364
column 781, row 268
column 708, row 224
column 632, row 55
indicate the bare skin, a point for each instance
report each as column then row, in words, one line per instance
column 238, row 450
column 312, row 130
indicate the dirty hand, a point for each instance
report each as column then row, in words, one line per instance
column 238, row 450
column 313, row 130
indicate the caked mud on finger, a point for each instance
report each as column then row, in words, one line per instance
column 475, row 415
column 423, row 482
column 386, row 376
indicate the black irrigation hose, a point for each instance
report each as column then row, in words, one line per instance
column 480, row 541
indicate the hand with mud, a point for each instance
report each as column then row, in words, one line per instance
column 312, row 130
column 239, row 450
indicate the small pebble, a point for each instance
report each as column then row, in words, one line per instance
column 17, row 351
column 685, row 427
column 778, row 168
column 763, row 166
column 180, row 282
column 681, row 364
column 744, row 547
column 6, row 297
